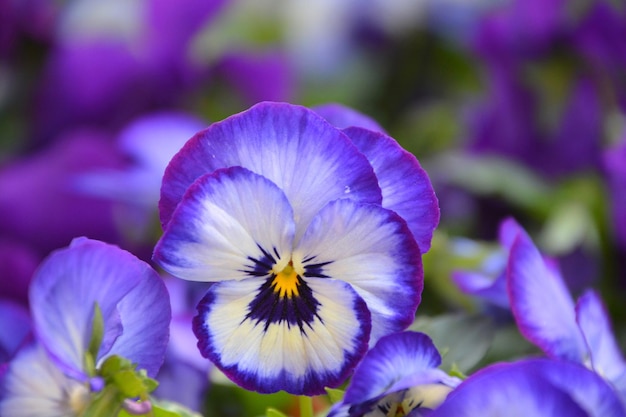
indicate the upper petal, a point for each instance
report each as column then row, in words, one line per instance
column 310, row 160
column 405, row 186
column 68, row 285
column 398, row 361
column 541, row 303
column 343, row 117
column 266, row 342
column 372, row 249
column 231, row 224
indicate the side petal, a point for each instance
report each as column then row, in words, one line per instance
column 231, row 224
column 541, row 303
column 310, row 160
column 267, row 352
column 405, row 186
column 605, row 355
column 66, row 288
column 372, row 249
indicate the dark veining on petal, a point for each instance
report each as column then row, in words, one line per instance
column 262, row 266
column 270, row 307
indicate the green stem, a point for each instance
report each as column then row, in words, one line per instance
column 306, row 406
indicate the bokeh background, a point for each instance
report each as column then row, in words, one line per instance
column 514, row 108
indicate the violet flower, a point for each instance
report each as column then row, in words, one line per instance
column 548, row 317
column 532, row 387
column 97, row 310
column 398, row 376
column 292, row 220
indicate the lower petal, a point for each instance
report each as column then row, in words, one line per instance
column 269, row 352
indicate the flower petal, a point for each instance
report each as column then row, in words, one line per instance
column 231, row 224
column 372, row 249
column 34, row 387
column 343, row 117
column 532, row 388
column 66, row 288
column 405, row 186
column 595, row 326
column 310, row 160
column 267, row 343
column 541, row 303
column 15, row 325
column 398, row 361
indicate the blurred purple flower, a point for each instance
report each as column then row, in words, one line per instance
column 151, row 70
column 534, row 387
column 15, row 326
column 56, row 374
column 17, row 265
column 398, row 376
column 39, row 206
column 615, row 167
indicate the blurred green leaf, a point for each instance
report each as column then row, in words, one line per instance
column 463, row 340
column 272, row 412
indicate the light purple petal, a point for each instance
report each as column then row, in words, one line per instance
column 72, row 280
column 398, row 361
column 532, row 388
column 343, row 117
column 605, row 355
column 508, row 231
column 405, row 186
column 482, row 286
column 372, row 249
column 228, row 225
column 541, row 303
column 310, row 160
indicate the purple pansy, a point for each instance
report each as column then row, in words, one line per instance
column 533, row 387
column 286, row 216
column 547, row 315
column 398, row 376
column 52, row 376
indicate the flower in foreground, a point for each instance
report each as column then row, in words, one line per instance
column 532, row 387
column 100, row 319
column 397, row 377
column 311, row 235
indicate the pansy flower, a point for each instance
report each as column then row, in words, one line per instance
column 96, row 310
column 311, row 236
column 547, row 315
column 532, row 387
column 397, row 377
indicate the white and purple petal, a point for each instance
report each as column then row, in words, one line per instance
column 306, row 157
column 541, row 303
column 33, row 386
column 605, row 356
column 372, row 249
column 397, row 362
column 68, row 285
column 405, row 186
column 266, row 343
column 532, row 388
column 231, row 224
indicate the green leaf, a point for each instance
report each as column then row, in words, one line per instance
column 463, row 340
column 104, row 404
column 334, row 395
column 129, row 383
column 97, row 334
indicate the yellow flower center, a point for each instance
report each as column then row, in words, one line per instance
column 286, row 283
